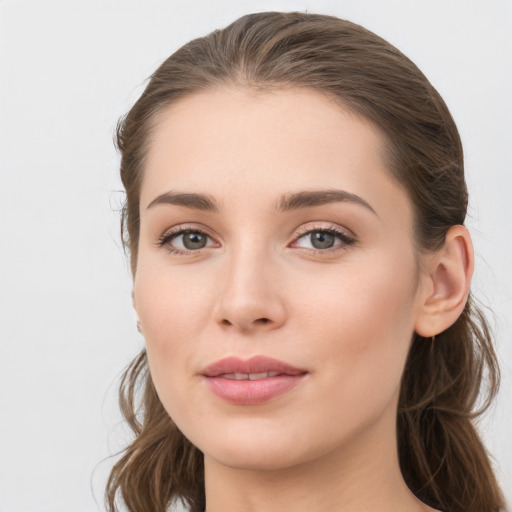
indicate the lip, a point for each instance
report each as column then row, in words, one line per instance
column 223, row 379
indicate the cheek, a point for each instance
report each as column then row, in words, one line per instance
column 362, row 297
column 172, row 307
column 363, row 323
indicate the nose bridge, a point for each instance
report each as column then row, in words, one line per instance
column 249, row 296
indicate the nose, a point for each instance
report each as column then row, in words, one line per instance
column 250, row 298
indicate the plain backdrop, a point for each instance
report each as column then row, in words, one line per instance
column 68, row 71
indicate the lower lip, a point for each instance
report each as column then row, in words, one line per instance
column 252, row 392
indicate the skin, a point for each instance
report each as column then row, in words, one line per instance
column 259, row 287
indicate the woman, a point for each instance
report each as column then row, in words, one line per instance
column 294, row 215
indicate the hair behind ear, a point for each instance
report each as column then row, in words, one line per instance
column 439, row 446
column 160, row 465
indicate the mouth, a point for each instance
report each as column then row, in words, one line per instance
column 253, row 381
column 249, row 376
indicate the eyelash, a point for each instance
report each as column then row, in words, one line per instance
column 346, row 240
column 168, row 236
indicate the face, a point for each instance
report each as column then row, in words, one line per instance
column 276, row 282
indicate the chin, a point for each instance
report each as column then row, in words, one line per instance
column 253, row 459
column 267, row 448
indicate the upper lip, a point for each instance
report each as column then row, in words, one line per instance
column 257, row 364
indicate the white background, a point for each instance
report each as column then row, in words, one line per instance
column 68, row 70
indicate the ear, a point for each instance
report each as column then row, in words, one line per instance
column 139, row 325
column 447, row 279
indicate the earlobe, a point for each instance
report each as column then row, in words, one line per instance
column 449, row 275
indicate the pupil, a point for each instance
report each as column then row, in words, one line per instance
column 194, row 240
column 321, row 240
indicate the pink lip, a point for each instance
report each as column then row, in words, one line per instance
column 251, row 392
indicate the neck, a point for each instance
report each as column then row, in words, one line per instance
column 364, row 476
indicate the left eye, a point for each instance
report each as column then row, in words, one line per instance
column 323, row 239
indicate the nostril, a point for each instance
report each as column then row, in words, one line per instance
column 245, row 324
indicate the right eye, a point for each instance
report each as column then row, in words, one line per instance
column 185, row 241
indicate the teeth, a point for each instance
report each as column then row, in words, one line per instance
column 234, row 376
column 249, row 376
column 268, row 374
column 256, row 376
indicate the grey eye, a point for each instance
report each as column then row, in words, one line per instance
column 322, row 239
column 194, row 240
column 187, row 240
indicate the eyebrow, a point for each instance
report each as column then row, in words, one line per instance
column 309, row 199
column 195, row 201
column 295, row 201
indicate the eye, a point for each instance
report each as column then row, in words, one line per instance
column 324, row 239
column 185, row 240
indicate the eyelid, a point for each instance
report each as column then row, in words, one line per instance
column 346, row 237
column 311, row 227
column 175, row 231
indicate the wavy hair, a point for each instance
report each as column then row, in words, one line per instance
column 442, row 458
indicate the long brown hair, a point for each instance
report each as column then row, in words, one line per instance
column 442, row 457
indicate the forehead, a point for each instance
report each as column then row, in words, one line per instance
column 240, row 143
